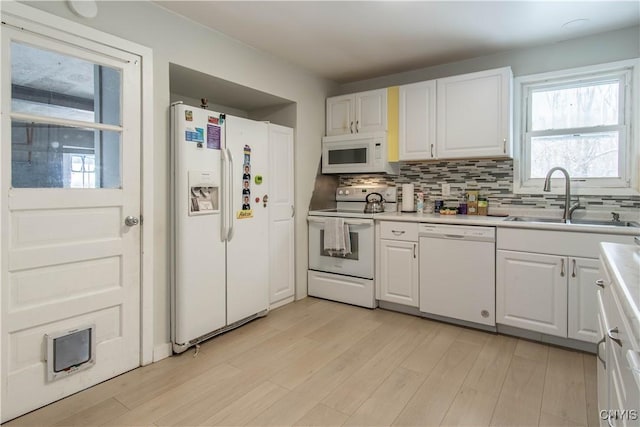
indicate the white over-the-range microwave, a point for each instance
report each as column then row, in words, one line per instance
column 356, row 153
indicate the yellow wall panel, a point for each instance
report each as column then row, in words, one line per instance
column 393, row 102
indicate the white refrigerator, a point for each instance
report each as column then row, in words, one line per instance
column 220, row 223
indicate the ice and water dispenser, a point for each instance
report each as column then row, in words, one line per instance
column 204, row 193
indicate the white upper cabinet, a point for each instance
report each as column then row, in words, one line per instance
column 474, row 115
column 417, row 121
column 361, row 112
column 340, row 115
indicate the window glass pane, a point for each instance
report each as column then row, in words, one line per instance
column 51, row 84
column 583, row 156
column 51, row 156
column 348, row 156
column 585, row 106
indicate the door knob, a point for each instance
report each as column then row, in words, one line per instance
column 131, row 221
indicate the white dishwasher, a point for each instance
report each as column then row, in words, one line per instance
column 457, row 272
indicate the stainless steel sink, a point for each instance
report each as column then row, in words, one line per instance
column 534, row 219
column 602, row 223
column 605, row 223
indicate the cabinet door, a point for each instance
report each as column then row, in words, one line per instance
column 371, row 111
column 417, row 117
column 399, row 272
column 474, row 115
column 583, row 304
column 531, row 291
column 340, row 115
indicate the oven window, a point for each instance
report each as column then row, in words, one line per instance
column 348, row 156
column 353, row 236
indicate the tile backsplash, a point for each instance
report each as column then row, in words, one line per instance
column 492, row 177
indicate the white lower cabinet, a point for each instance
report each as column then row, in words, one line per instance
column 397, row 261
column 601, row 355
column 618, row 355
column 545, row 281
column 582, row 299
column 548, row 293
column 399, row 272
column 531, row 292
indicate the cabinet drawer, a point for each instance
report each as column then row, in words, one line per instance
column 556, row 242
column 407, row 231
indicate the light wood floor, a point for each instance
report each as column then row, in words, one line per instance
column 315, row 363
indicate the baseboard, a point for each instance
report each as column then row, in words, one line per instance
column 547, row 339
column 281, row 303
column 162, row 351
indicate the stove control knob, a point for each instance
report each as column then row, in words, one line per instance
column 340, row 192
column 346, row 192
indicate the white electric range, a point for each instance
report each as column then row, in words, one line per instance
column 348, row 278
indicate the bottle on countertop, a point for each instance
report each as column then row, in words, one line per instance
column 483, row 206
column 472, row 202
column 462, row 205
column 420, row 202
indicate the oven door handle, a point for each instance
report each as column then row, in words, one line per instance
column 348, row 222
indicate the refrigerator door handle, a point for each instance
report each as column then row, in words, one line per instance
column 230, row 188
column 224, row 232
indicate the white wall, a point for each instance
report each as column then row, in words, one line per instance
column 179, row 41
column 175, row 97
column 601, row 48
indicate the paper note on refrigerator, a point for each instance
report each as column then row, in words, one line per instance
column 213, row 136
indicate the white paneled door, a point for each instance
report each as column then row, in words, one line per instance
column 70, row 186
column 281, row 212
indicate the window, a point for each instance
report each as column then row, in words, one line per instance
column 579, row 120
column 65, row 120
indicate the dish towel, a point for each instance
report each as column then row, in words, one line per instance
column 336, row 237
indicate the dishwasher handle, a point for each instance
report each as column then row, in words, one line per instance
column 458, row 232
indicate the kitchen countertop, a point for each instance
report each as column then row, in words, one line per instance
column 623, row 263
column 496, row 221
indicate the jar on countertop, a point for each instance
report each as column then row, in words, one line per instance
column 483, row 206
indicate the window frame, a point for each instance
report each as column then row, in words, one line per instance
column 627, row 72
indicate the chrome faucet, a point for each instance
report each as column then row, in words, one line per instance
column 568, row 208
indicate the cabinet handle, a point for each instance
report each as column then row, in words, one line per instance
column 351, row 127
column 414, row 250
column 398, row 232
column 573, row 268
column 562, row 267
column 602, row 341
column 293, row 211
column 615, row 340
column 504, row 145
column 600, row 283
column 357, row 126
column 431, row 150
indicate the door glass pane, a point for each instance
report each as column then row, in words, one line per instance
column 348, row 156
column 52, row 156
column 354, row 255
column 47, row 83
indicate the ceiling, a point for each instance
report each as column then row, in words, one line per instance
column 347, row 41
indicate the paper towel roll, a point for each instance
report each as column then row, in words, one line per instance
column 407, row 197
